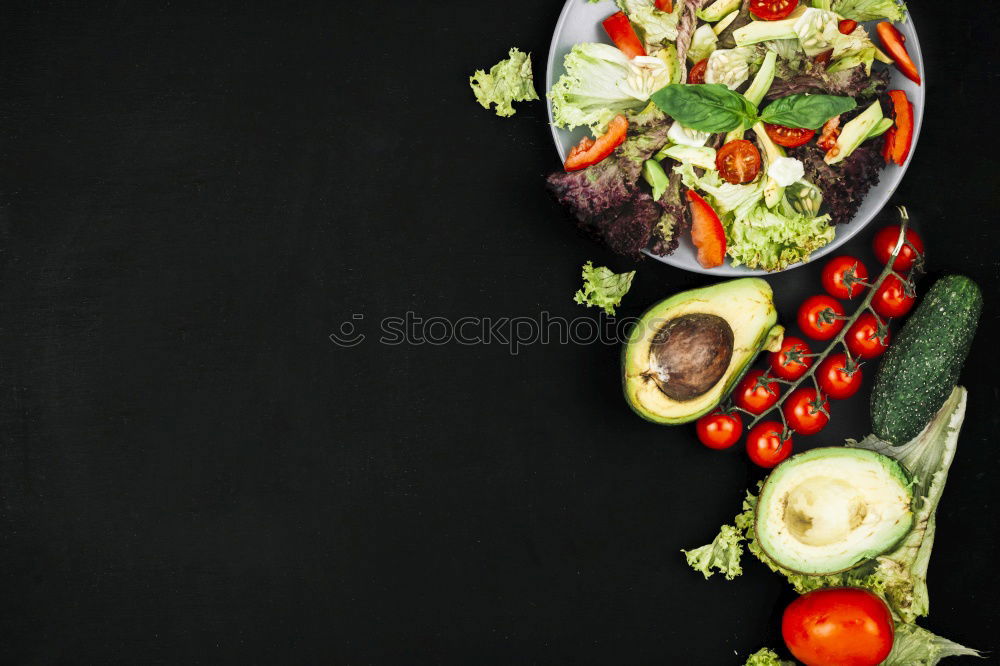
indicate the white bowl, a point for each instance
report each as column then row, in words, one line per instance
column 580, row 21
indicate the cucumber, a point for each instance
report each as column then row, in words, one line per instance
column 920, row 368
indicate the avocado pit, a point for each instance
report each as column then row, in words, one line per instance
column 690, row 354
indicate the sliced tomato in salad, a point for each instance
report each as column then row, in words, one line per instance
column 738, row 162
column 899, row 139
column 772, row 10
column 847, row 26
column 665, row 5
column 789, row 137
column 697, row 73
column 622, row 33
column 893, row 41
column 589, row 151
column 829, row 134
column 823, row 58
column 707, row 233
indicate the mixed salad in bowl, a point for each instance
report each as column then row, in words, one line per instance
column 750, row 127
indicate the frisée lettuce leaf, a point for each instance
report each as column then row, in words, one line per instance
column 603, row 288
column 767, row 657
column 507, row 81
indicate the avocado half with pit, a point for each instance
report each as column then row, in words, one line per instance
column 686, row 352
column 830, row 509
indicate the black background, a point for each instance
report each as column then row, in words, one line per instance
column 195, row 197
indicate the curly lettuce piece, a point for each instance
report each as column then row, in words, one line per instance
column 508, row 81
column 603, row 288
column 654, row 27
column 915, row 646
column 767, row 657
column 769, row 240
column 596, row 86
column 722, row 555
column 871, row 10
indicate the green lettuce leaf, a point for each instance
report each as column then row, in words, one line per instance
column 870, row 10
column 915, row 646
column 603, row 288
column 654, row 28
column 767, row 657
column 507, row 81
column 769, row 240
column 722, row 555
column 601, row 82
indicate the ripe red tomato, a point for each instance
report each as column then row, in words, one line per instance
column 765, row 445
column 738, row 161
column 697, row 72
column 838, row 626
column 847, row 26
column 789, row 137
column 842, row 276
column 792, row 360
column 718, row 430
column 891, row 299
column 838, row 377
column 817, row 317
column 772, row 10
column 804, row 411
column 885, row 243
column 754, row 397
column 863, row 339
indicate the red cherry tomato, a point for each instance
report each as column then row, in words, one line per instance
column 772, row 10
column 891, row 299
column 841, row 276
column 885, row 242
column 792, row 360
column 789, row 137
column 804, row 411
column 753, row 396
column 839, row 626
column 863, row 339
column 718, row 430
column 738, row 162
column 765, row 445
column 817, row 317
column 697, row 73
column 838, row 377
column 847, row 26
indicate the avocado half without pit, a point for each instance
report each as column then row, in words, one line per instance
column 830, row 509
column 687, row 352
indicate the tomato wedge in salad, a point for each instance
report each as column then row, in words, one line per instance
column 697, row 73
column 707, row 233
column 789, row 137
column 847, row 26
column 899, row 139
column 772, row 10
column 893, row 40
column 589, row 151
column 622, row 33
column 665, row 5
column 738, row 162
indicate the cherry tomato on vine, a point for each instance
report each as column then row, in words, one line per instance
column 697, row 72
column 838, row 377
column 891, row 299
column 792, row 360
column 817, row 317
column 842, row 277
column 806, row 411
column 738, row 162
column 765, row 445
column 789, row 137
column 885, row 243
column 750, row 395
column 839, row 625
column 772, row 10
column 719, row 430
column 863, row 336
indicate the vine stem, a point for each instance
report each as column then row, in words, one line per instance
column 838, row 340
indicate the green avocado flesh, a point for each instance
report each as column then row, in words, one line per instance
column 829, row 509
column 686, row 352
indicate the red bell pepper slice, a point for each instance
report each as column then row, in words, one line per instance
column 665, row 6
column 893, row 40
column 707, row 233
column 890, row 140
column 589, row 152
column 623, row 35
column 902, row 132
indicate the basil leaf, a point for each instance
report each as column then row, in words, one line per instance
column 707, row 107
column 806, row 111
